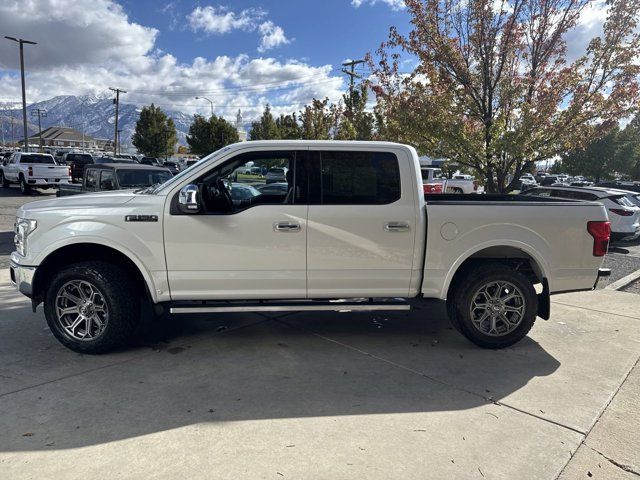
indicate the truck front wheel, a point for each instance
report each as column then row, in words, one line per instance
column 494, row 305
column 92, row 307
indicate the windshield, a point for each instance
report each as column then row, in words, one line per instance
column 178, row 178
column 37, row 159
column 141, row 178
column 82, row 159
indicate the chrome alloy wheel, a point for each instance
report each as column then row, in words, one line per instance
column 81, row 310
column 497, row 308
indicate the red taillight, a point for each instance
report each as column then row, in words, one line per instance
column 621, row 212
column 601, row 232
column 69, row 172
column 475, row 185
column 432, row 187
column 30, row 171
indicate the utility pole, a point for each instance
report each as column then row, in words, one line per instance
column 118, row 140
column 24, row 96
column 352, row 73
column 39, row 113
column 117, row 102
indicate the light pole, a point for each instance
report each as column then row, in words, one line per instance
column 210, row 102
column 24, row 97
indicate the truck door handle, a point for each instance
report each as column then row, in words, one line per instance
column 286, row 227
column 396, row 227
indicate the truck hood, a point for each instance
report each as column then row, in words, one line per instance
column 91, row 200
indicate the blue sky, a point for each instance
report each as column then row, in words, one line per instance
column 323, row 32
column 241, row 54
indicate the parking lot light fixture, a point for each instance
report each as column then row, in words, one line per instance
column 210, row 103
column 21, row 42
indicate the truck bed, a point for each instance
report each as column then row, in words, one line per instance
column 489, row 199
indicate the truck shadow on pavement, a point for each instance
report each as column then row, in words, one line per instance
column 213, row 369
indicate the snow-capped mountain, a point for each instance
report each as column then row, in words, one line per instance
column 98, row 114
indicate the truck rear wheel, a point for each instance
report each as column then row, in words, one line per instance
column 494, row 306
column 25, row 188
column 4, row 181
column 92, row 307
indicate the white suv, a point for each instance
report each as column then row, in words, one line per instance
column 623, row 214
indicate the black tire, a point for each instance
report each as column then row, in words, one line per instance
column 24, row 186
column 460, row 302
column 4, row 181
column 119, row 295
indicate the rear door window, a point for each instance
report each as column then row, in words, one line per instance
column 359, row 178
column 92, row 178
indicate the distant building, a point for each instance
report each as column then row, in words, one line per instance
column 63, row 137
column 242, row 134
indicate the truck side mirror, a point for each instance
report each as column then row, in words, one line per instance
column 189, row 199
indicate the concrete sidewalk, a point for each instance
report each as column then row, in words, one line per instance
column 326, row 396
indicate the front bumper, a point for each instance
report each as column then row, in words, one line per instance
column 22, row 278
column 603, row 278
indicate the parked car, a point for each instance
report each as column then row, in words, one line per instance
column 150, row 161
column 548, row 180
column 116, row 176
column 356, row 228
column 621, row 185
column 173, row 167
column 31, row 170
column 77, row 162
column 632, row 197
column 276, row 175
column 126, row 156
column 623, row 215
column 466, row 184
column 100, row 160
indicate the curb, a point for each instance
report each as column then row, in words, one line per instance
column 624, row 281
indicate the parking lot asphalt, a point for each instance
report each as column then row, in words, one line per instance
column 324, row 395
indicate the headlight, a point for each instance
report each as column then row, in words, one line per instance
column 22, row 229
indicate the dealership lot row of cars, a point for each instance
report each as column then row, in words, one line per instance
column 37, row 170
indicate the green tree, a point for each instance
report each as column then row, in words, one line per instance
column 207, row 136
column 265, row 128
column 155, row 134
column 598, row 160
column 289, row 127
column 355, row 102
column 346, row 130
column 318, row 120
column 629, row 149
column 493, row 89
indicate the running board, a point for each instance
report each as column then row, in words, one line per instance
column 309, row 307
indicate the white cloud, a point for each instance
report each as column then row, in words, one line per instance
column 589, row 26
column 99, row 47
column 394, row 4
column 219, row 20
column 272, row 36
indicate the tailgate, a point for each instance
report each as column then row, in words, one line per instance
column 49, row 171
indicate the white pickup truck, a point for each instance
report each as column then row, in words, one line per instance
column 457, row 184
column 350, row 230
column 31, row 170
